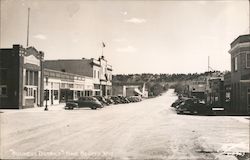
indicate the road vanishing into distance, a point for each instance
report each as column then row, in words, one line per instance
column 150, row 129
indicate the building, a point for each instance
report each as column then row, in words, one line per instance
column 127, row 90
column 61, row 86
column 26, row 80
column 240, row 74
column 215, row 93
column 21, row 77
column 227, row 89
column 197, row 89
column 99, row 70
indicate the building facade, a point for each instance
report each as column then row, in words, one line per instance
column 26, row 80
column 240, row 74
column 99, row 70
column 21, row 77
column 215, row 92
column 197, row 89
column 62, row 86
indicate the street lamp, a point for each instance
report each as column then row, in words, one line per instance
column 46, row 95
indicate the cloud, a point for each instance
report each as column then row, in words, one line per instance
column 135, row 20
column 128, row 49
column 40, row 36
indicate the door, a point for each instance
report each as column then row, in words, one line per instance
column 35, row 96
column 52, row 97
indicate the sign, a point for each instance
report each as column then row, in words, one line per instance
column 31, row 59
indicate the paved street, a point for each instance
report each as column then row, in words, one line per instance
column 146, row 130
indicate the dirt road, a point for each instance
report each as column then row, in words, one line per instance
column 146, row 130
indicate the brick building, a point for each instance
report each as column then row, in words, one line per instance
column 240, row 74
column 21, row 77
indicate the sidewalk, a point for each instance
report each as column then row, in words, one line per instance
column 57, row 107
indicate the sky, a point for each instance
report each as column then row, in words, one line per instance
column 140, row 36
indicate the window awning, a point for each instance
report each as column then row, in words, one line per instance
column 138, row 91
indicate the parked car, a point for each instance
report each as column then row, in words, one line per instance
column 193, row 106
column 109, row 101
column 131, row 99
column 123, row 99
column 84, row 102
column 102, row 100
column 134, row 98
column 178, row 102
column 116, row 99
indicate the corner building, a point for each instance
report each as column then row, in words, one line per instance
column 240, row 75
column 21, row 77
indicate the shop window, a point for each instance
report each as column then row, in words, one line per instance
column 29, row 92
column 94, row 73
column 235, row 64
column 3, row 82
column 3, row 75
column 31, row 78
column 86, row 93
column 27, row 77
column 97, row 93
column 248, row 60
column 36, row 78
column 78, row 94
column 3, row 90
column 96, row 86
column 55, row 94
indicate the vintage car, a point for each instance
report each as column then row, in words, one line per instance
column 193, row 106
column 102, row 100
column 84, row 102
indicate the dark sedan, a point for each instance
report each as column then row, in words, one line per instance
column 115, row 99
column 84, row 102
column 193, row 106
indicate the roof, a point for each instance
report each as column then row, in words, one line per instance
column 76, row 66
column 241, row 39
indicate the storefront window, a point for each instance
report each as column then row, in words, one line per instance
column 3, row 90
column 78, row 94
column 3, row 82
column 55, row 94
column 248, row 60
column 31, row 78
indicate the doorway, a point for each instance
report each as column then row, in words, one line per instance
column 35, row 96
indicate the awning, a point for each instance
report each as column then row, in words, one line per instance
column 138, row 91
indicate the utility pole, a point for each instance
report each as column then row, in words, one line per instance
column 208, row 65
column 28, row 27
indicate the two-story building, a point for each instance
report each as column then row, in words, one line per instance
column 21, row 77
column 240, row 74
column 61, row 86
column 99, row 70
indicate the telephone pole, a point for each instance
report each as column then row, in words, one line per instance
column 28, row 27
